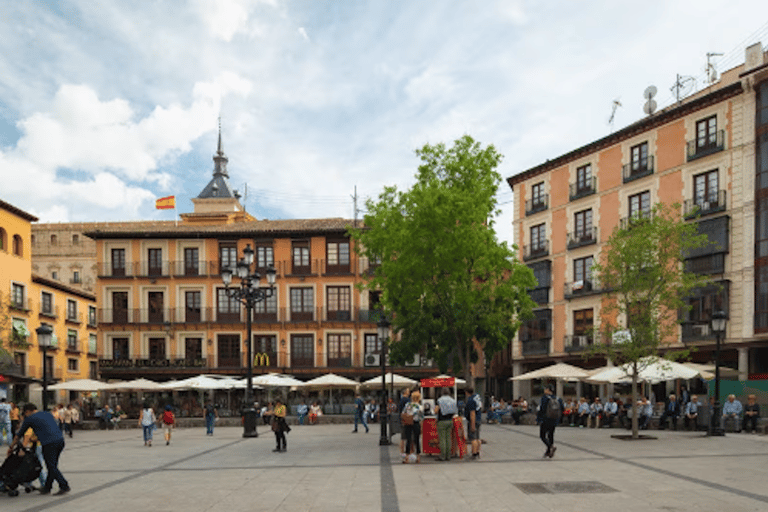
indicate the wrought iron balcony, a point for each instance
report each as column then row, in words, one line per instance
column 581, row 238
column 637, row 169
column 577, row 342
column 534, row 251
column 536, row 347
column 579, row 190
column 49, row 311
column 692, row 331
column 536, row 205
column 705, row 205
column 636, row 218
column 699, row 149
column 708, row 264
column 579, row 288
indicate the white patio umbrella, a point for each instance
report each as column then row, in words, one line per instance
column 652, row 370
column 275, row 380
column 707, row 371
column 80, row 385
column 331, row 381
column 393, row 379
column 202, row 382
column 556, row 371
column 135, row 385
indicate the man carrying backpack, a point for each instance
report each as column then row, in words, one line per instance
column 550, row 412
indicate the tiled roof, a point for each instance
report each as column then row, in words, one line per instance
column 169, row 229
column 17, row 211
column 62, row 287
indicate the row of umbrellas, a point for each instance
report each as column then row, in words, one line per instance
column 205, row 382
column 651, row 369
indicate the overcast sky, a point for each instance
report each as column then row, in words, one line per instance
column 106, row 106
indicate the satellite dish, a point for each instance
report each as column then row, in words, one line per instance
column 650, row 105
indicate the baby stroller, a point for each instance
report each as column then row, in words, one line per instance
column 22, row 467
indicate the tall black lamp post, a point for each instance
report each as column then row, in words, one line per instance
column 383, row 332
column 249, row 293
column 44, row 333
column 719, row 319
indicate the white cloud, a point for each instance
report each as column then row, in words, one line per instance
column 303, row 33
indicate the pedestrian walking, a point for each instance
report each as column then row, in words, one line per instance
column 47, row 430
column 147, row 423
column 549, row 415
column 169, row 421
column 473, row 413
column 404, row 400
column 360, row 413
column 412, row 415
column 279, row 426
column 211, row 413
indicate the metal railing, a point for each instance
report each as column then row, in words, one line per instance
column 695, row 149
column 691, row 331
column 705, row 205
column 587, row 236
column 582, row 287
column 586, row 189
column 76, row 318
column 209, row 315
column 636, row 218
column 536, row 205
column 21, row 305
column 637, row 169
column 708, row 264
column 577, row 342
column 539, row 250
column 51, row 311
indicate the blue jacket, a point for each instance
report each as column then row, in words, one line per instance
column 45, row 427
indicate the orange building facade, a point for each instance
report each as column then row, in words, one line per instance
column 707, row 153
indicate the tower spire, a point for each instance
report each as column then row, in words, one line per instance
column 220, row 159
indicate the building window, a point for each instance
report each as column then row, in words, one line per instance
column 157, row 349
column 92, row 343
column 583, row 322
column 75, row 239
column 537, row 194
column 265, row 350
column 18, row 246
column 301, row 262
column 71, row 339
column 266, row 309
column 227, row 308
column 705, row 189
column 92, row 315
column 193, row 349
column 155, row 262
column 191, row 261
column 372, row 343
column 54, row 240
column 639, row 158
column 71, row 310
column 339, row 303
column 584, row 178
column 192, row 306
column 302, row 304
column 302, row 350
column 120, row 307
column 582, row 271
column 17, row 296
column 118, row 262
column 640, row 205
column 228, row 255
column 338, row 256
column 706, row 133
column 93, row 370
column 538, row 238
column 54, row 275
column 156, row 303
column 76, row 277
column 339, row 350
column 3, row 240
column 120, row 348
column 20, row 360
column 46, row 304
column 265, row 257
column 229, row 351
column 583, row 223
column 72, row 365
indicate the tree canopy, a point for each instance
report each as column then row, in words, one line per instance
column 642, row 269
column 449, row 285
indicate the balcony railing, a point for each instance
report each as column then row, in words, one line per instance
column 538, row 204
column 636, row 218
column 579, row 190
column 73, row 346
column 637, row 169
column 211, row 315
column 339, row 362
column 582, row 287
column 692, row 331
column 50, row 311
column 581, row 238
column 695, row 149
column 708, row 264
column 706, row 205
column 190, row 268
column 577, row 342
column 20, row 305
column 536, row 347
column 532, row 252
column 75, row 318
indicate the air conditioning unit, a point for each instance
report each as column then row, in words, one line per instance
column 427, row 362
column 372, row 359
column 701, row 330
column 415, row 361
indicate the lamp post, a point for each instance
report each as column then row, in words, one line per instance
column 44, row 333
column 383, row 333
column 719, row 319
column 249, row 293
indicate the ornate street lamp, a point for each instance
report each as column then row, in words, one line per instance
column 249, row 293
column 719, row 320
column 44, row 333
column 383, row 332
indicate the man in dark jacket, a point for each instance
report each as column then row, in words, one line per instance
column 44, row 425
column 549, row 415
column 671, row 410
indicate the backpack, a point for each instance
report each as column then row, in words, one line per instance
column 168, row 417
column 553, row 408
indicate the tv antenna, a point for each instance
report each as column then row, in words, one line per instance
column 616, row 104
column 683, row 87
column 650, row 104
column 711, row 72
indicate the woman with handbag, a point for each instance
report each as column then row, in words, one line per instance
column 279, row 425
column 411, row 418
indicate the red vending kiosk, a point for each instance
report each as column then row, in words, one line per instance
column 429, row 442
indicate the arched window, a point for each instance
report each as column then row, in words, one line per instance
column 3, row 240
column 18, row 246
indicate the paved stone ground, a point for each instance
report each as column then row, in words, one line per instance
column 327, row 468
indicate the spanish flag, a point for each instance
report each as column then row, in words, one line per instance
column 166, row 203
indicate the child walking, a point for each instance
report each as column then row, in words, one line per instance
column 169, row 420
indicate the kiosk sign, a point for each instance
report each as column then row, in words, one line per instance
column 444, row 382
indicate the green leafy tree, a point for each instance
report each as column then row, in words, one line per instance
column 449, row 285
column 642, row 267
